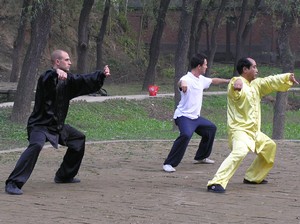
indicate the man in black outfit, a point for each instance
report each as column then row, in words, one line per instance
column 55, row 88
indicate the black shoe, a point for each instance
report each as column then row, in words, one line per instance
column 66, row 181
column 252, row 182
column 12, row 188
column 216, row 188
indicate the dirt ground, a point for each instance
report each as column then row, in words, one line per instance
column 123, row 182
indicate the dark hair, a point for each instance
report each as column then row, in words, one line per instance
column 197, row 59
column 243, row 62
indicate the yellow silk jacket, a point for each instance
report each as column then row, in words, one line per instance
column 244, row 109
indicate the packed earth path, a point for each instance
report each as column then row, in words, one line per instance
column 123, row 182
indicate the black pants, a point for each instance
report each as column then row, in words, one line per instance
column 72, row 138
column 203, row 127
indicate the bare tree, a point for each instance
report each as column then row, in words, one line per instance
column 19, row 42
column 40, row 28
column 194, row 28
column 155, row 44
column 83, row 36
column 203, row 23
column 101, row 35
column 241, row 22
column 230, row 25
column 143, row 16
column 183, row 44
column 288, row 62
column 213, row 39
column 244, row 29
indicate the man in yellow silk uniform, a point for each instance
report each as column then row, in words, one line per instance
column 244, row 121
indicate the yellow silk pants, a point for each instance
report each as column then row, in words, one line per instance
column 241, row 144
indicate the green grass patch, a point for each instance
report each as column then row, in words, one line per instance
column 11, row 135
column 149, row 118
column 140, row 119
column 120, row 119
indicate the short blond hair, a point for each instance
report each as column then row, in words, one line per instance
column 57, row 54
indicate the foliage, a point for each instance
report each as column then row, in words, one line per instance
column 222, row 70
column 276, row 9
column 168, row 72
column 289, row 6
column 128, row 44
column 123, row 22
column 165, row 67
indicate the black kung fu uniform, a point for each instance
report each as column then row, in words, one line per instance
column 46, row 123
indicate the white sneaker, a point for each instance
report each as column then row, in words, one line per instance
column 168, row 168
column 205, row 161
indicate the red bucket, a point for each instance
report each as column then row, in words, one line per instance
column 153, row 90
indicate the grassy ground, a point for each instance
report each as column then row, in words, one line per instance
column 146, row 119
column 139, row 119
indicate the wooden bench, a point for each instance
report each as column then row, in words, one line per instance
column 8, row 89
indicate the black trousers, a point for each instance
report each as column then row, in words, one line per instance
column 70, row 137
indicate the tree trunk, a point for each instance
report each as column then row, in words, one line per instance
column 230, row 25
column 238, row 45
column 250, row 23
column 198, row 35
column 288, row 63
column 183, row 44
column 213, row 41
column 155, row 44
column 140, row 34
column 194, row 28
column 244, row 31
column 101, row 35
column 40, row 29
column 19, row 42
column 204, row 22
column 279, row 115
column 83, row 36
